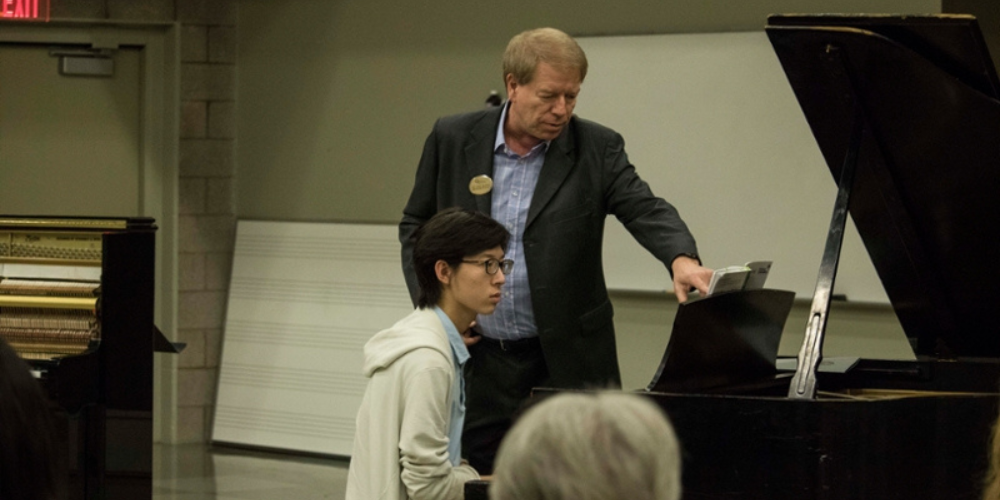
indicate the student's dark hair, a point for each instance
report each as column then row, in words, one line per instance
column 451, row 235
column 29, row 457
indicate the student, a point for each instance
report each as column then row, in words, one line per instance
column 577, row 446
column 408, row 440
column 29, row 457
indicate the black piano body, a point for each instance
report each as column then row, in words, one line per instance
column 888, row 430
column 102, row 396
column 909, row 106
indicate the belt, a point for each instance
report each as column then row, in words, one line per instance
column 519, row 345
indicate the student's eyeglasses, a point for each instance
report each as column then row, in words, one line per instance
column 492, row 265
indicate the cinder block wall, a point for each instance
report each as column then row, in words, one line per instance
column 206, row 220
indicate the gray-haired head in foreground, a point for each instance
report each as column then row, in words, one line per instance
column 603, row 446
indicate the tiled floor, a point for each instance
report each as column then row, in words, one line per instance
column 201, row 472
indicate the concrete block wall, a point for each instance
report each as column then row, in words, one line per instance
column 206, row 211
column 206, row 205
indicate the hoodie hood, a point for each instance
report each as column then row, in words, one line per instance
column 420, row 330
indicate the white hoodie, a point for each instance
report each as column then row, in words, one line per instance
column 401, row 441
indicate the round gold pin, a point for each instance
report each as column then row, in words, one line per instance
column 480, row 184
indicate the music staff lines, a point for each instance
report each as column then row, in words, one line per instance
column 294, row 379
column 317, row 248
column 331, row 337
column 322, row 292
column 242, row 417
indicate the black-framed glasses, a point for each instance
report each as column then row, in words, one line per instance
column 492, row 265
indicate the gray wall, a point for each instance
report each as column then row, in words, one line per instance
column 336, row 99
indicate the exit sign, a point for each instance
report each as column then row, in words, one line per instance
column 24, row 9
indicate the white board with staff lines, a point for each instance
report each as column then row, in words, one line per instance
column 303, row 300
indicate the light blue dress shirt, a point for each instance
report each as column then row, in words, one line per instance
column 514, row 180
column 459, row 355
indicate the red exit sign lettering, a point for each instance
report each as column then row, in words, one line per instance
column 24, row 9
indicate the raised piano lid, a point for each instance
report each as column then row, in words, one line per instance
column 924, row 198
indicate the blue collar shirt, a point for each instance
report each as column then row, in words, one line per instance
column 459, row 355
column 514, row 180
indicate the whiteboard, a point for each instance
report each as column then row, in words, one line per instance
column 711, row 123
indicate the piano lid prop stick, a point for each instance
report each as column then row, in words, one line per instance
column 803, row 384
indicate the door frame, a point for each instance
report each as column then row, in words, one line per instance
column 158, row 175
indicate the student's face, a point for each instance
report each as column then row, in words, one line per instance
column 472, row 287
column 543, row 107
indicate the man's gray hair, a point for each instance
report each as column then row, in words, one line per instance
column 547, row 45
column 601, row 446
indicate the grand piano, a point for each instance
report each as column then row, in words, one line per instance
column 906, row 113
column 76, row 303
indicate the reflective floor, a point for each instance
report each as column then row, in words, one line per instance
column 201, row 472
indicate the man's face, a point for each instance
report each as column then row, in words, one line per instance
column 475, row 289
column 542, row 108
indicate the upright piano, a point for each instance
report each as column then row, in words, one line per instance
column 906, row 112
column 76, row 302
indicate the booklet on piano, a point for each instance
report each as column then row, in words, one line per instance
column 750, row 276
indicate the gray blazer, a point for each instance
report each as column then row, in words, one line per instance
column 586, row 176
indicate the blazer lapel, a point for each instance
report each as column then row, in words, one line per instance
column 479, row 155
column 558, row 164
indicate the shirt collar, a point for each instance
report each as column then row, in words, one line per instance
column 459, row 351
column 500, row 143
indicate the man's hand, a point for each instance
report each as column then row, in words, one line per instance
column 470, row 336
column 689, row 273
